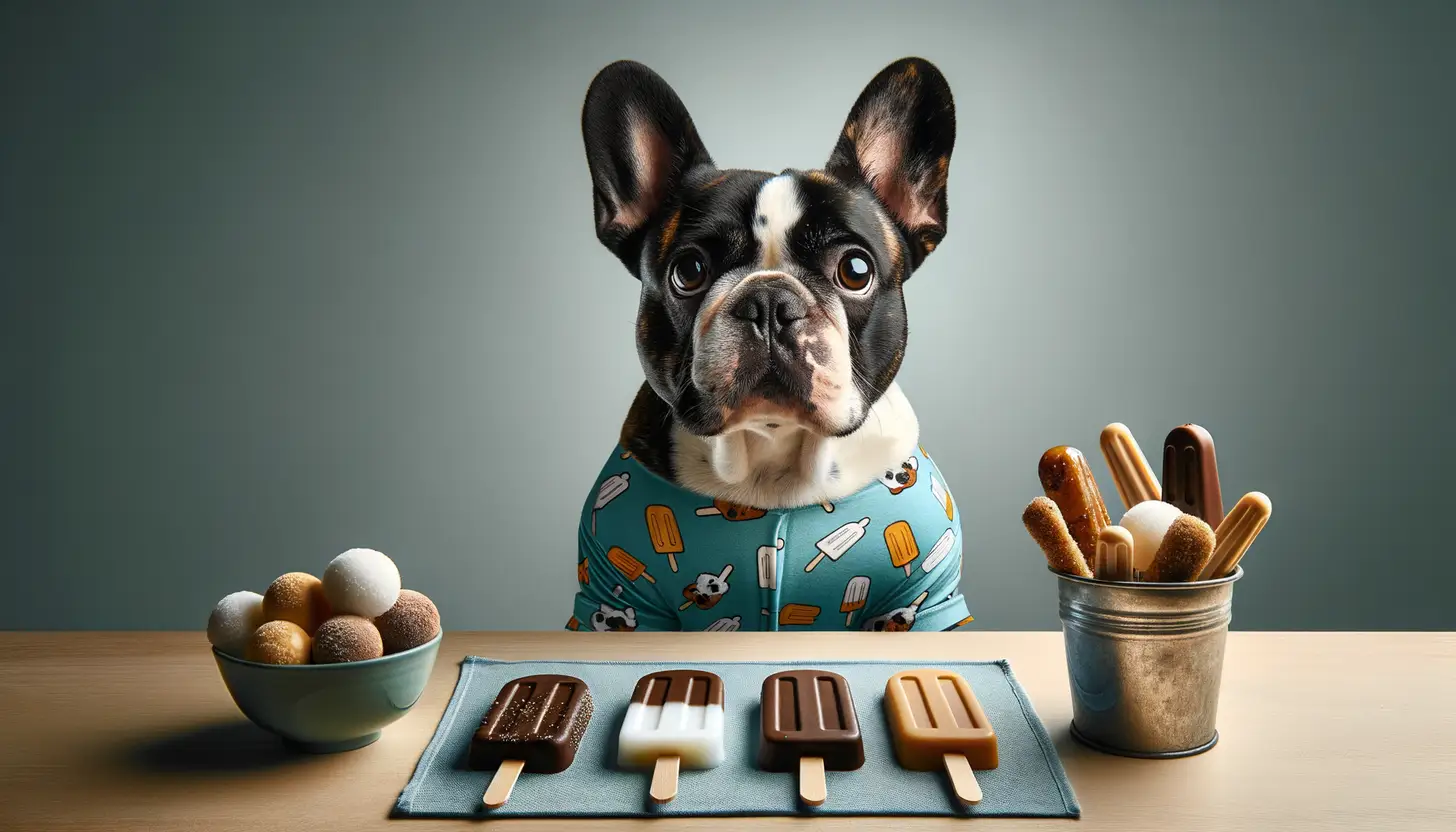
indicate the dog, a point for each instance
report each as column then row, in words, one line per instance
column 770, row 329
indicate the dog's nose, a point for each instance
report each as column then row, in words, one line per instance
column 770, row 309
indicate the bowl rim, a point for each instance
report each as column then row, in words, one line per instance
column 333, row 666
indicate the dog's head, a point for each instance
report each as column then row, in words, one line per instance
column 708, row 589
column 608, row 619
column 898, row 480
column 770, row 298
column 898, row 621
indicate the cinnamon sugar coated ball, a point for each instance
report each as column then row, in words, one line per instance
column 361, row 582
column 297, row 597
column 233, row 621
column 347, row 638
column 412, row 621
column 279, row 642
column 1148, row 521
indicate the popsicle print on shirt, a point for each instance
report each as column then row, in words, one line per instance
column 666, row 536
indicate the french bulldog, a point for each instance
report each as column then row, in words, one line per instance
column 772, row 320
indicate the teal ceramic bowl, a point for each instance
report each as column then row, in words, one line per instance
column 329, row 707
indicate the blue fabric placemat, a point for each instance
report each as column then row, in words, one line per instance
column 1029, row 782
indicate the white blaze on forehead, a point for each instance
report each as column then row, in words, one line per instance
column 777, row 211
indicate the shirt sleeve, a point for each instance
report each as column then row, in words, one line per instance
column 610, row 600
column 924, row 601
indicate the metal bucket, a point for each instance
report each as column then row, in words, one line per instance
column 1145, row 660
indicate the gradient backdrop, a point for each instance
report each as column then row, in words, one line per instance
column 281, row 279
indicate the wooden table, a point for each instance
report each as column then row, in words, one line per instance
column 122, row 731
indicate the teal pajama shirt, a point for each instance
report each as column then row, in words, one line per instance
column 653, row 556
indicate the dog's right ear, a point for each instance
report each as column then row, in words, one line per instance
column 640, row 142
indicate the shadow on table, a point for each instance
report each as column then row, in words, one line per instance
column 226, row 747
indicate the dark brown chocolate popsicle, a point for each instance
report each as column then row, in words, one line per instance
column 809, row 723
column 1190, row 474
column 535, row 724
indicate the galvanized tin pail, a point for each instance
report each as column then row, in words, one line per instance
column 1145, row 660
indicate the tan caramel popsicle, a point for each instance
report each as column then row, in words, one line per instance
column 1131, row 472
column 935, row 722
column 1237, row 533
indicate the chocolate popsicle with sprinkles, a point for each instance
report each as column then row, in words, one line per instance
column 535, row 724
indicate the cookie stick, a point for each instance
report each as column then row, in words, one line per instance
column 1237, row 533
column 1131, row 473
column 1185, row 550
column 1044, row 521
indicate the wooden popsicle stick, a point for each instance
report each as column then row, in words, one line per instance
column 499, row 790
column 664, row 779
column 962, row 779
column 812, row 789
column 672, row 561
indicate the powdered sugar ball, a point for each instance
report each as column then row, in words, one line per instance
column 233, row 621
column 361, row 582
column 1148, row 521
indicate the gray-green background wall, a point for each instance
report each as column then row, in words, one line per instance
column 279, row 279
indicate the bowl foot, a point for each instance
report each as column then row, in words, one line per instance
column 332, row 747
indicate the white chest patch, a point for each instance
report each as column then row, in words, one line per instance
column 775, row 214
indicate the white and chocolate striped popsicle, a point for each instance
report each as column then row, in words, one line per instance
column 675, row 721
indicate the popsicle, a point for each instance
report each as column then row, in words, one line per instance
column 1237, row 533
column 942, row 496
column 730, row 511
column 837, row 542
column 1190, row 474
column 583, row 572
column 1130, row 470
column 666, row 539
column 935, row 720
column 1067, row 480
column 809, row 723
column 856, row 592
column 726, row 625
column 768, row 565
column 630, row 567
column 535, row 724
column 611, row 488
column 901, row 542
column 1043, row 520
column 675, row 720
column 1114, row 555
column 573, row 624
column 797, row 614
column 938, row 552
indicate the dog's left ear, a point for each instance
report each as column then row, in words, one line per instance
column 898, row 139
column 640, row 142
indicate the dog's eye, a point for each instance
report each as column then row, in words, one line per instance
column 689, row 274
column 855, row 271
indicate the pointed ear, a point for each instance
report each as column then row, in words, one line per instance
column 898, row 139
column 640, row 142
